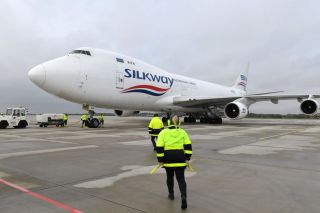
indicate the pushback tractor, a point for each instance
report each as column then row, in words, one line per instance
column 14, row 117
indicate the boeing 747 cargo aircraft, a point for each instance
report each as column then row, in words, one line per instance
column 98, row 78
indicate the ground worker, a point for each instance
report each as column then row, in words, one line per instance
column 155, row 127
column 84, row 119
column 101, row 120
column 174, row 151
column 65, row 119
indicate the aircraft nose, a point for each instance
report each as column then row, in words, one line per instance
column 37, row 75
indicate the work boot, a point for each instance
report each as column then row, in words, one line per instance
column 171, row 196
column 184, row 204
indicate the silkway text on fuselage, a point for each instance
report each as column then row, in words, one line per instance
column 148, row 76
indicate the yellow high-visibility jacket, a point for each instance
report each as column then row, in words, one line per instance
column 155, row 126
column 65, row 117
column 173, row 147
column 84, row 117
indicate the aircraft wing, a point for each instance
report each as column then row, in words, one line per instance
column 186, row 101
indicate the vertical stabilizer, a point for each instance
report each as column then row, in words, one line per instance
column 242, row 80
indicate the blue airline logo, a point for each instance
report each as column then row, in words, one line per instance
column 148, row 77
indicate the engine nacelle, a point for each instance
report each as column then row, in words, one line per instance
column 236, row 110
column 309, row 107
column 125, row 113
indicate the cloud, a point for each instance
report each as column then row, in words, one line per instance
column 210, row 40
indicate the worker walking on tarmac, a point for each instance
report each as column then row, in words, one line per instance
column 65, row 119
column 101, row 120
column 155, row 127
column 174, row 151
column 84, row 119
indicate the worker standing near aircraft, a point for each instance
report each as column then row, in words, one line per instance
column 174, row 151
column 101, row 120
column 65, row 119
column 84, row 119
column 155, row 127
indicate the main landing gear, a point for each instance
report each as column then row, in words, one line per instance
column 165, row 119
column 211, row 120
column 189, row 119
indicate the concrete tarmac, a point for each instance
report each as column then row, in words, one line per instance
column 241, row 166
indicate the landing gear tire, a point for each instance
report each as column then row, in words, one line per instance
column 204, row 120
column 94, row 123
column 209, row 120
column 189, row 119
column 216, row 120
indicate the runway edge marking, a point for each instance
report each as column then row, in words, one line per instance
column 41, row 197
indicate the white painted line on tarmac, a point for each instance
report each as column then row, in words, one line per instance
column 82, row 136
column 134, row 170
column 23, row 138
column 17, row 154
column 137, row 143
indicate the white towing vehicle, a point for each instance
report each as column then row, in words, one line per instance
column 47, row 119
column 14, row 117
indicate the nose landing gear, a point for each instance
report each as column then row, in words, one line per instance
column 92, row 122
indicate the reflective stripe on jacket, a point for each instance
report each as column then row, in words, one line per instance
column 174, row 147
column 155, row 126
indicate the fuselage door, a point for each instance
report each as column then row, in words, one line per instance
column 119, row 80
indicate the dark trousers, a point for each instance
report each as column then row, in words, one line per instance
column 101, row 123
column 180, row 178
column 65, row 122
column 153, row 140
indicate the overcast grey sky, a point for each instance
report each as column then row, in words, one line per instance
column 210, row 40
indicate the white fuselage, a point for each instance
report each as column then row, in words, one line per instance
column 114, row 81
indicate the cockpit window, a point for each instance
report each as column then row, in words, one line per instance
column 84, row 52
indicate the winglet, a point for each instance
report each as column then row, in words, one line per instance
column 241, row 82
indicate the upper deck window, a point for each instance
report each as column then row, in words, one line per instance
column 84, row 52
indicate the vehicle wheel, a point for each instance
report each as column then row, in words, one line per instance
column 40, row 125
column 94, row 123
column 22, row 124
column 3, row 124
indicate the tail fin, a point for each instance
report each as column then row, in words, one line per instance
column 241, row 82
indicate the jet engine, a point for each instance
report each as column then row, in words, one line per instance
column 236, row 110
column 309, row 106
column 125, row 113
